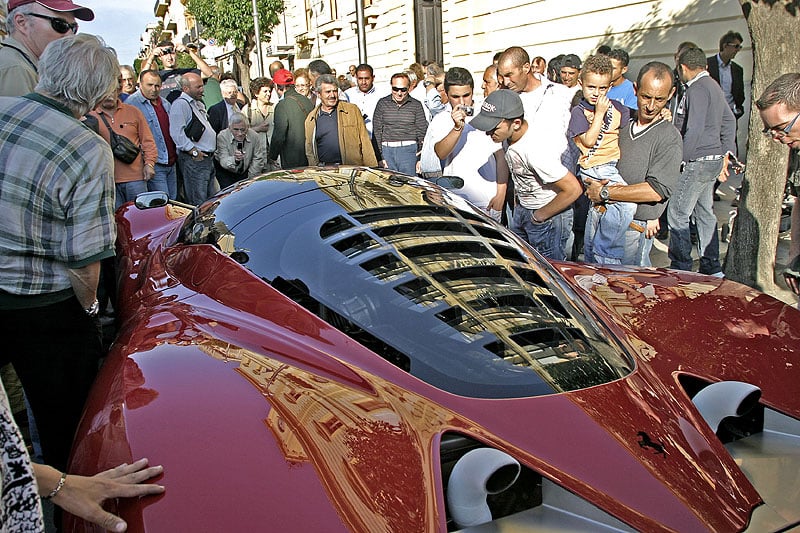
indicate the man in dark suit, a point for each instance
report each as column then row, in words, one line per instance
column 218, row 113
column 727, row 73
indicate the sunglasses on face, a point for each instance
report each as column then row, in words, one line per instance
column 59, row 25
column 400, row 89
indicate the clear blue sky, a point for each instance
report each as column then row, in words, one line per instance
column 119, row 23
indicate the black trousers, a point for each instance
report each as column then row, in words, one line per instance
column 55, row 350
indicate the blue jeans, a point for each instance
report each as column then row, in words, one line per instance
column 693, row 197
column 604, row 236
column 199, row 178
column 165, row 179
column 402, row 159
column 550, row 237
column 637, row 246
column 127, row 192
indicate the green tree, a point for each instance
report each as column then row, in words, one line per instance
column 773, row 26
column 232, row 20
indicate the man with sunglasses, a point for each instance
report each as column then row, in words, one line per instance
column 167, row 53
column 727, row 72
column 398, row 127
column 33, row 25
column 779, row 107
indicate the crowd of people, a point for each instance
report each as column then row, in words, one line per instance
column 562, row 151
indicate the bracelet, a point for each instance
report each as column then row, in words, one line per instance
column 458, row 129
column 58, row 487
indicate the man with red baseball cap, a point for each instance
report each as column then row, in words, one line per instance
column 33, row 25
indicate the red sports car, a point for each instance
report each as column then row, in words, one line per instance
column 347, row 349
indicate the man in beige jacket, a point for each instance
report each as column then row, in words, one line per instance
column 335, row 131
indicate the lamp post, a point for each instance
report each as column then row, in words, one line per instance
column 362, row 36
column 258, row 40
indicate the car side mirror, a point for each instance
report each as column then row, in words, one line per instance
column 149, row 200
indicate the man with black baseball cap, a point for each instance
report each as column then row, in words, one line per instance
column 32, row 26
column 570, row 70
column 544, row 188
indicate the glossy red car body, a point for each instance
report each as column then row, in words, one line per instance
column 268, row 418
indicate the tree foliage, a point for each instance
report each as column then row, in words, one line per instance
column 232, row 20
column 751, row 256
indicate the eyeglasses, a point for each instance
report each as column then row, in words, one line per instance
column 780, row 133
column 400, row 89
column 59, row 25
column 168, row 51
column 737, row 46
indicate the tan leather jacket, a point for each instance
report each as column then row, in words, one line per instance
column 354, row 141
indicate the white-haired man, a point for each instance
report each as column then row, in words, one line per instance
column 219, row 113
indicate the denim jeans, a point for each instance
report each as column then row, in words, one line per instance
column 127, row 192
column 637, row 246
column 550, row 237
column 402, row 159
column 166, row 180
column 604, row 236
column 693, row 198
column 199, row 178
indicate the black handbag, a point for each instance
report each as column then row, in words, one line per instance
column 195, row 128
column 123, row 148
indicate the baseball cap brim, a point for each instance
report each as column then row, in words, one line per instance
column 482, row 121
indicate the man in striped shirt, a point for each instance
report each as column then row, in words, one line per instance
column 398, row 127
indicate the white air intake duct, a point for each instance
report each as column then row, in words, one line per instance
column 725, row 398
column 477, row 474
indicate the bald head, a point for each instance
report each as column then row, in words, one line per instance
column 192, row 84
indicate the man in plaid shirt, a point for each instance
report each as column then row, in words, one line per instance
column 56, row 225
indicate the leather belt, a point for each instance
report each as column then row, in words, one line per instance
column 707, row 158
column 398, row 144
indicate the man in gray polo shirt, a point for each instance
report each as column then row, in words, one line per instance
column 651, row 151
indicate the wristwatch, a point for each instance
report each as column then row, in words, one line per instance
column 194, row 152
column 604, row 194
column 94, row 309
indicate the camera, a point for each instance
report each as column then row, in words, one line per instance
column 468, row 109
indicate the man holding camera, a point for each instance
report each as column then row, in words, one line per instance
column 467, row 152
column 168, row 54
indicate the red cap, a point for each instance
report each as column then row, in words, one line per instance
column 282, row 77
column 61, row 6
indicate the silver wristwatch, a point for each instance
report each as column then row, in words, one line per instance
column 94, row 309
column 604, row 194
column 194, row 152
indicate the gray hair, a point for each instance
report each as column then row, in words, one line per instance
column 79, row 71
column 238, row 118
column 22, row 10
column 129, row 68
column 328, row 79
column 228, row 86
column 412, row 76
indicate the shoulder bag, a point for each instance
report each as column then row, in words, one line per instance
column 123, row 148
